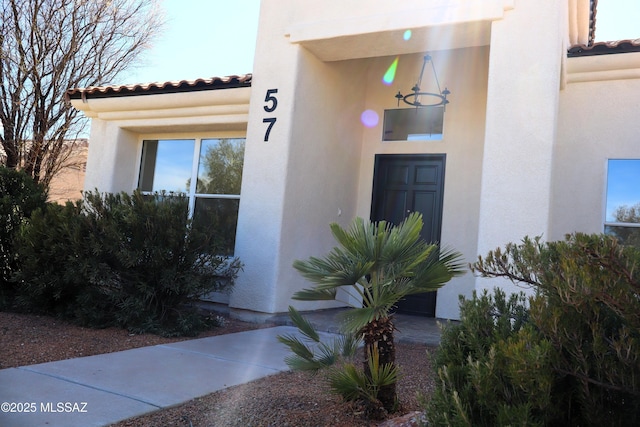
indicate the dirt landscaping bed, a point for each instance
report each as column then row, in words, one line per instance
column 287, row 399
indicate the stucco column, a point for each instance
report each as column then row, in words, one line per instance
column 111, row 163
column 301, row 173
column 526, row 52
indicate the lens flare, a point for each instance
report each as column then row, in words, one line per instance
column 369, row 118
column 391, row 73
column 407, row 35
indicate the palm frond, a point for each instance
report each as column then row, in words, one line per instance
column 328, row 355
column 354, row 320
column 436, row 271
column 347, row 344
column 381, row 375
column 315, row 295
column 297, row 363
column 351, row 383
column 335, row 270
column 348, row 382
column 299, row 348
column 303, row 325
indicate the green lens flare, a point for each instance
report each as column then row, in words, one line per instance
column 391, row 72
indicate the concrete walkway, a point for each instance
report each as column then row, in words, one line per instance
column 103, row 389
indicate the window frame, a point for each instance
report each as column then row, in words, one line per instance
column 191, row 195
column 612, row 224
column 425, row 136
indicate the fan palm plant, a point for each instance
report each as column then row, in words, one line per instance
column 378, row 264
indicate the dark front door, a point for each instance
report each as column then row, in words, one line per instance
column 411, row 183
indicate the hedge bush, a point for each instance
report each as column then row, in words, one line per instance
column 134, row 261
column 568, row 355
column 19, row 197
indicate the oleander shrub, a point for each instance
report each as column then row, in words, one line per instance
column 19, row 197
column 572, row 355
column 130, row 260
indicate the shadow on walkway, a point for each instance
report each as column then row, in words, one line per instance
column 410, row 329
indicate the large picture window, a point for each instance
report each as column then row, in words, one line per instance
column 209, row 171
column 623, row 201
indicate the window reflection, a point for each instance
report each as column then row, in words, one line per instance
column 623, row 191
column 623, row 201
column 221, row 216
column 166, row 165
column 413, row 124
column 220, row 166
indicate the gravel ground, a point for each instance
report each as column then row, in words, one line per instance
column 286, row 399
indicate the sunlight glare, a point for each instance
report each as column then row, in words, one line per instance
column 369, row 118
column 390, row 75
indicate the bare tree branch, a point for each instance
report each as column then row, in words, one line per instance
column 49, row 46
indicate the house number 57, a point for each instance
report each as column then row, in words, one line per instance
column 270, row 105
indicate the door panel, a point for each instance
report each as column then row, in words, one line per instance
column 411, row 183
column 398, row 175
column 427, row 174
column 395, row 205
column 426, row 202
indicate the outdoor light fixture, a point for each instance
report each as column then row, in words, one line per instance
column 414, row 98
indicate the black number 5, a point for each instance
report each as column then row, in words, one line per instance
column 272, row 99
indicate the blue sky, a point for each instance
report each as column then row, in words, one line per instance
column 207, row 38
column 623, row 185
column 618, row 20
column 202, row 38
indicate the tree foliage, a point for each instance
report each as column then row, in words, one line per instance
column 625, row 214
column 222, row 167
column 49, row 46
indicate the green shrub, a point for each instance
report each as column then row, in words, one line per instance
column 577, row 341
column 19, row 196
column 116, row 259
column 492, row 368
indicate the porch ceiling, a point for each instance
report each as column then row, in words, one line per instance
column 389, row 43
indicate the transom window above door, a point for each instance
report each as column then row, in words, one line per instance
column 413, row 124
column 207, row 170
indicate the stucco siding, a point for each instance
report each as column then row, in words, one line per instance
column 598, row 121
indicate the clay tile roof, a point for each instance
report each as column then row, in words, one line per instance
column 213, row 83
column 605, row 48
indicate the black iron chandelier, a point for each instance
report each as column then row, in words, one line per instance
column 415, row 98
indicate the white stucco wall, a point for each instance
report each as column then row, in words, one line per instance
column 305, row 176
column 597, row 121
column 318, row 164
column 521, row 122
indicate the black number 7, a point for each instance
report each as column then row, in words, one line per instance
column 271, row 121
